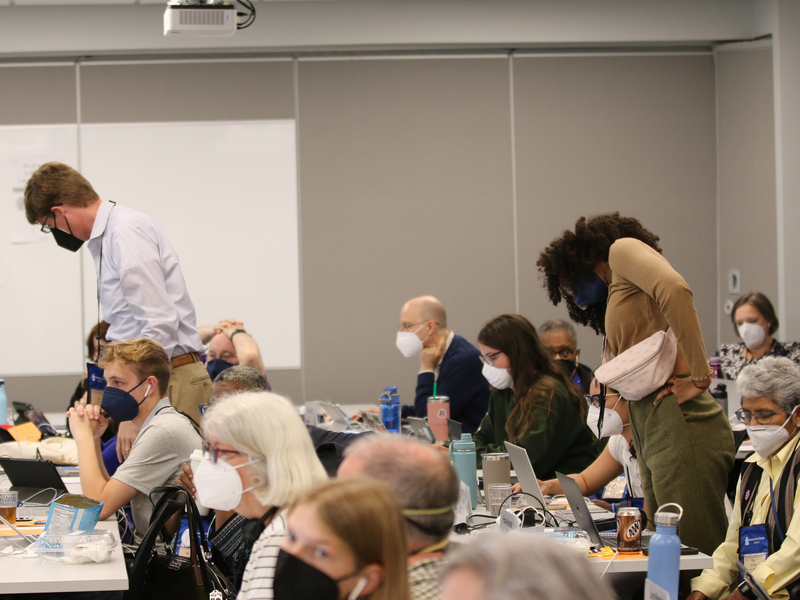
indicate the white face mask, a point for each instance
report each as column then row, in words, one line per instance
column 219, row 485
column 766, row 439
column 498, row 378
column 408, row 343
column 752, row 334
column 612, row 422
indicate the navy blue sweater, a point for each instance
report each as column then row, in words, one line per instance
column 461, row 379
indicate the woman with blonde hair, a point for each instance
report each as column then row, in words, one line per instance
column 346, row 539
column 258, row 459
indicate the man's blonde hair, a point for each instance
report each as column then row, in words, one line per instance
column 53, row 184
column 144, row 356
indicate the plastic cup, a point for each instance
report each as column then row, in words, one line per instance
column 8, row 506
column 496, row 494
column 196, row 457
column 496, row 469
column 438, row 413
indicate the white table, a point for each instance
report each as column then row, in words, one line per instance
column 30, row 575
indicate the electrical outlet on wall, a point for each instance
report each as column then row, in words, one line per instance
column 728, row 308
column 733, row 281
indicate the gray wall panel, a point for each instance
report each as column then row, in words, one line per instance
column 405, row 170
column 634, row 134
column 40, row 95
column 187, row 91
column 747, row 209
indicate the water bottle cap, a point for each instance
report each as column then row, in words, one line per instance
column 670, row 519
column 465, row 444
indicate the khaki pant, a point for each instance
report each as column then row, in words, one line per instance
column 685, row 453
column 189, row 387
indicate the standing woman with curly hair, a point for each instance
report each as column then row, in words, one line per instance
column 611, row 275
column 533, row 404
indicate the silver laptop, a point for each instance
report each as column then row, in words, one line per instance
column 584, row 518
column 421, row 429
column 525, row 473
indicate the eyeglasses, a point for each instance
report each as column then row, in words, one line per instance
column 203, row 408
column 763, row 417
column 410, row 326
column 213, row 453
column 488, row 359
column 594, row 399
column 45, row 227
column 565, row 352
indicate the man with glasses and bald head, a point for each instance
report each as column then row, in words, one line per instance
column 445, row 358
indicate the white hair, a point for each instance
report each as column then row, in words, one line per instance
column 527, row 567
column 266, row 425
column 773, row 377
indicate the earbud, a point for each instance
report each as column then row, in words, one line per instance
column 362, row 583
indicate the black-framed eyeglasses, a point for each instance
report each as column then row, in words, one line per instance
column 595, row 399
column 213, row 453
column 763, row 417
column 488, row 359
column 45, row 227
column 565, row 353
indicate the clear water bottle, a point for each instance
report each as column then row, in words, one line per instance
column 390, row 409
column 3, row 404
column 462, row 452
column 663, row 565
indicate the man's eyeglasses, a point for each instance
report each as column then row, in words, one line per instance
column 488, row 359
column 763, row 417
column 213, row 453
column 45, row 227
column 203, row 408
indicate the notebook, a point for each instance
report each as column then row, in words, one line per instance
column 581, row 511
column 34, row 480
column 525, row 473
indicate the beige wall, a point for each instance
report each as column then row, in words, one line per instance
column 746, row 149
column 416, row 176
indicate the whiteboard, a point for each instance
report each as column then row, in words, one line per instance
column 40, row 289
column 225, row 194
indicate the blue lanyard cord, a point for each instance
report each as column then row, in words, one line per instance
column 775, row 512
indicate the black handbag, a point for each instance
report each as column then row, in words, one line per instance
column 160, row 574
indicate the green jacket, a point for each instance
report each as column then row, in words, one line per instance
column 559, row 439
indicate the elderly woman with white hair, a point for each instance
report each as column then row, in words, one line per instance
column 258, row 459
column 764, row 529
column 520, row 567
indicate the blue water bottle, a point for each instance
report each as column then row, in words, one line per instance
column 462, row 452
column 390, row 409
column 3, row 404
column 663, row 566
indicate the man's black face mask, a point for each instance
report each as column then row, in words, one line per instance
column 62, row 238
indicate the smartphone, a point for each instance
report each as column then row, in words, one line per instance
column 685, row 551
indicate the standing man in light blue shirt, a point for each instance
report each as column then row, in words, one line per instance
column 141, row 285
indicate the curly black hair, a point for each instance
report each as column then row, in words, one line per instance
column 576, row 254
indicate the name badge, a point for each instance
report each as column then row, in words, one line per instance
column 753, row 545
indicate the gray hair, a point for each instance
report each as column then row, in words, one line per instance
column 558, row 326
column 249, row 377
column 266, row 425
column 773, row 377
column 527, row 567
column 418, row 475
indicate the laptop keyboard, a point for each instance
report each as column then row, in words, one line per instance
column 32, row 513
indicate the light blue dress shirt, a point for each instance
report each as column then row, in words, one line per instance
column 142, row 289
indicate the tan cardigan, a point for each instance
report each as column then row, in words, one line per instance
column 647, row 295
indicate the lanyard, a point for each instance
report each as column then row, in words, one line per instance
column 775, row 512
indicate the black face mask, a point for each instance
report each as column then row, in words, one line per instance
column 297, row 580
column 66, row 240
column 216, row 366
column 568, row 367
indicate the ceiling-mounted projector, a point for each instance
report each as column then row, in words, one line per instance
column 199, row 18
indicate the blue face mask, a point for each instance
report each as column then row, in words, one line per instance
column 216, row 366
column 120, row 405
column 589, row 292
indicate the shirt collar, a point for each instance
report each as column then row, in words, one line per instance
column 163, row 403
column 101, row 219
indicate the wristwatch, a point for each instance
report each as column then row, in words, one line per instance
column 746, row 591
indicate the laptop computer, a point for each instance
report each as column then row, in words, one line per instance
column 421, row 429
column 581, row 512
column 454, row 429
column 35, row 481
column 525, row 473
